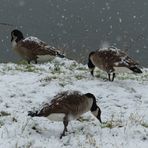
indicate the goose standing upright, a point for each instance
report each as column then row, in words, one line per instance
column 67, row 106
column 32, row 48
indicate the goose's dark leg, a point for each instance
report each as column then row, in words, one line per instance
column 65, row 125
column 109, row 77
column 28, row 61
column 65, row 122
column 113, row 76
column 35, row 61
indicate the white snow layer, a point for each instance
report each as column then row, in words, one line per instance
column 124, row 105
column 33, row 39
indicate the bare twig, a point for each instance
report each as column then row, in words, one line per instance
column 6, row 24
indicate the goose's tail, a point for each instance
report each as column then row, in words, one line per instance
column 33, row 114
column 60, row 55
column 136, row 69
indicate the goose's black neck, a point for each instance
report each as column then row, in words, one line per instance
column 94, row 105
column 90, row 64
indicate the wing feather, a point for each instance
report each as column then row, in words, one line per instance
column 38, row 47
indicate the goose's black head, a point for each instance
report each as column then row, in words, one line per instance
column 16, row 35
column 91, row 66
column 96, row 111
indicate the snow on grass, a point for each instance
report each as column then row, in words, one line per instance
column 124, row 105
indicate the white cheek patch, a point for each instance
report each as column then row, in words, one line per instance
column 95, row 113
column 122, row 70
column 56, row 117
column 45, row 57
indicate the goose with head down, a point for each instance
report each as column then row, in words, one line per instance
column 112, row 60
column 67, row 106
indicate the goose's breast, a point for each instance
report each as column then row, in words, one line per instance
column 14, row 44
column 43, row 58
column 56, row 116
column 60, row 117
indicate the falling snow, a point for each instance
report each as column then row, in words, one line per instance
column 89, row 23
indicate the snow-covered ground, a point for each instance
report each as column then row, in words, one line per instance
column 124, row 105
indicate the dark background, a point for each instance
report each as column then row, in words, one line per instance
column 79, row 26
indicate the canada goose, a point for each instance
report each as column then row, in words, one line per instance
column 67, row 106
column 32, row 48
column 112, row 60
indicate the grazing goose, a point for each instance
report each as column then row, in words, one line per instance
column 67, row 106
column 31, row 48
column 112, row 60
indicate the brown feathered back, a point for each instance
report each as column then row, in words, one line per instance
column 107, row 59
column 31, row 48
column 68, row 103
